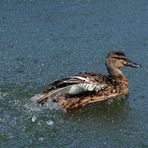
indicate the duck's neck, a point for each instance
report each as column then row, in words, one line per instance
column 115, row 72
column 120, row 78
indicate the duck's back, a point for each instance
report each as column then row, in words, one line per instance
column 77, row 85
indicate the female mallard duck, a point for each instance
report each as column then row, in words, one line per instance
column 85, row 88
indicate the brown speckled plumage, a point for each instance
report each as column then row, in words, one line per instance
column 85, row 87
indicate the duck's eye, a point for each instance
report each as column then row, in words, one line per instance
column 120, row 61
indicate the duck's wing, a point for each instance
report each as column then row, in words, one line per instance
column 75, row 85
column 83, row 79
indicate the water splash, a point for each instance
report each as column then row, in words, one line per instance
column 32, row 106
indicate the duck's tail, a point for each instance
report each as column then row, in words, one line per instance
column 40, row 98
column 51, row 95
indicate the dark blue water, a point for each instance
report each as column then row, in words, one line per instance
column 45, row 40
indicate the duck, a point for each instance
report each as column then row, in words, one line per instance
column 85, row 88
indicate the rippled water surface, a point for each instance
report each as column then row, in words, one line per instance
column 44, row 40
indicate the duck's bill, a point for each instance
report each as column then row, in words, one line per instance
column 132, row 64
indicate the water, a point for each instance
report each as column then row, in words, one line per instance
column 44, row 40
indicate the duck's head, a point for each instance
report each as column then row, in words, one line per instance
column 117, row 59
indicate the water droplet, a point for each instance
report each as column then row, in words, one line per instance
column 34, row 118
column 50, row 122
column 41, row 139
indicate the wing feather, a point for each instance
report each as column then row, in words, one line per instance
column 74, row 85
